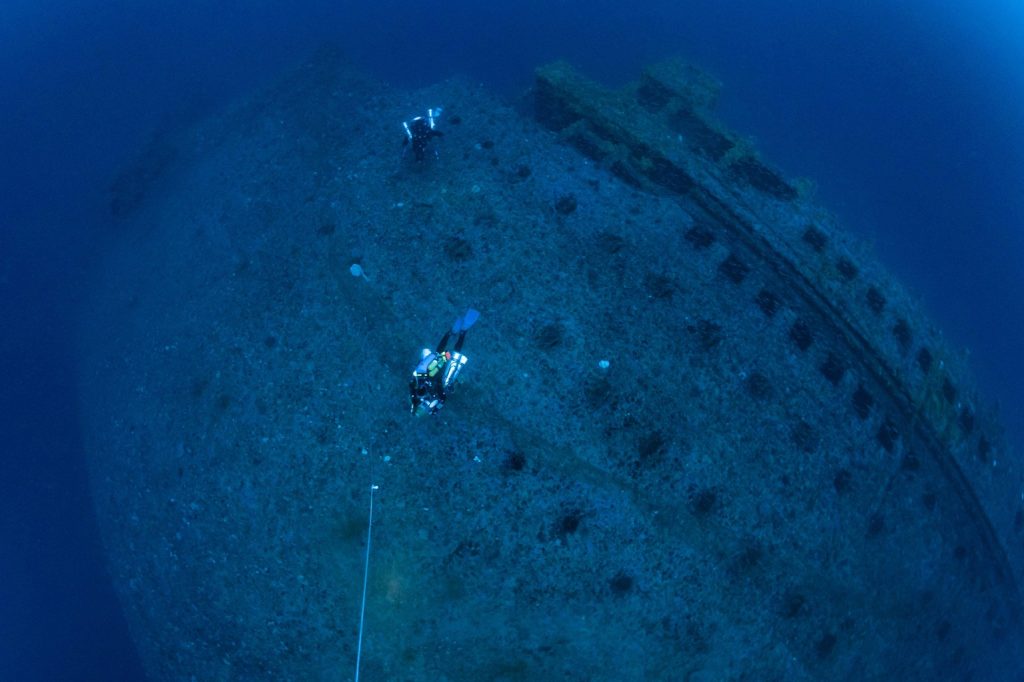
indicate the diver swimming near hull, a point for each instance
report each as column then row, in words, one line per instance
column 437, row 370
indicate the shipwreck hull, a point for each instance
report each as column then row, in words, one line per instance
column 784, row 472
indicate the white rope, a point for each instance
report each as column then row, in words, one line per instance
column 366, row 576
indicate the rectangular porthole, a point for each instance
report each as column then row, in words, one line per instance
column 832, row 369
column 876, row 301
column 700, row 237
column 846, row 268
column 901, row 330
column 734, row 269
column 767, row 302
column 924, row 360
column 862, row 402
column 800, row 334
column 887, row 435
column 815, row 238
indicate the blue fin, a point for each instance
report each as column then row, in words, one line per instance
column 465, row 321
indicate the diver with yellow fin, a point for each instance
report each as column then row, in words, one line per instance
column 437, row 370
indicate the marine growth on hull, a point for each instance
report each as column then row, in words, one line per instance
column 701, row 433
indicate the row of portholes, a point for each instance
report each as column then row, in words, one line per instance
column 904, row 336
column 901, row 331
column 801, row 334
column 734, row 269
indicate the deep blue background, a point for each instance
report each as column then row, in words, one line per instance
column 910, row 118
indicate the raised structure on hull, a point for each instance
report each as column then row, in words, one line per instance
column 904, row 382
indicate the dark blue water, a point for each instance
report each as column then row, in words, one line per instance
column 910, row 119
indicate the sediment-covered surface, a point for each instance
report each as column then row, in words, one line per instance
column 783, row 473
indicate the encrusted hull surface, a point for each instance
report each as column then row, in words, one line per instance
column 782, row 473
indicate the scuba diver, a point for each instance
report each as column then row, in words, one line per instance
column 434, row 375
column 419, row 132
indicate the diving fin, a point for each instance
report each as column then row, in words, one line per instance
column 465, row 321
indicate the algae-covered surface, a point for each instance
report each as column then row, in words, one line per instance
column 769, row 480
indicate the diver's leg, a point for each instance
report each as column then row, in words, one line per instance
column 459, row 341
column 444, row 341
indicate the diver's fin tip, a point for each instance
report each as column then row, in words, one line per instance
column 468, row 319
